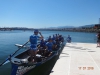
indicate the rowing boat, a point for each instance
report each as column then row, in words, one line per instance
column 21, row 65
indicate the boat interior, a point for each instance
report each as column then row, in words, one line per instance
column 39, row 55
column 25, row 55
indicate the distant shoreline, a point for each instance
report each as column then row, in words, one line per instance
column 67, row 29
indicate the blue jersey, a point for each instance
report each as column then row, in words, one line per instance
column 42, row 43
column 49, row 45
column 69, row 38
column 33, row 40
column 61, row 39
column 54, row 42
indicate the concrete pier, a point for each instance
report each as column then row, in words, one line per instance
column 78, row 59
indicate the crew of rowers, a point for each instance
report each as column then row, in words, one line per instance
column 45, row 47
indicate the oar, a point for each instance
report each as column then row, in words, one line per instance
column 13, row 54
column 19, row 48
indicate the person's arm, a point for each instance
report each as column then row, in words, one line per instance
column 41, row 35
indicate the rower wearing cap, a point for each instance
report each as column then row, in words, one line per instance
column 33, row 40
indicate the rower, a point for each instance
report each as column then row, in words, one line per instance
column 61, row 39
column 49, row 38
column 33, row 40
column 49, row 46
column 42, row 47
column 54, row 42
column 53, row 38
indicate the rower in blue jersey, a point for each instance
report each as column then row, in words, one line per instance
column 42, row 47
column 61, row 39
column 42, row 43
column 69, row 39
column 49, row 38
column 53, row 38
column 33, row 41
column 49, row 45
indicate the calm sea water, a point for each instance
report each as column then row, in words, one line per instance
column 8, row 39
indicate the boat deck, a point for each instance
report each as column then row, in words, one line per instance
column 78, row 59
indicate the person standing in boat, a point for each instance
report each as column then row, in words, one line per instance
column 34, row 41
column 98, row 39
column 69, row 39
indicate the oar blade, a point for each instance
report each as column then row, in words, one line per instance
column 6, row 62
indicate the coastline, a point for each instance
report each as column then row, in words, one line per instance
column 91, row 30
column 74, row 30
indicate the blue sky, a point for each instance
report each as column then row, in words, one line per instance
column 48, row 13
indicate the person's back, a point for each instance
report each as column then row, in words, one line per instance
column 69, row 39
column 53, row 38
column 49, row 45
column 49, row 38
column 60, row 38
column 42, row 43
